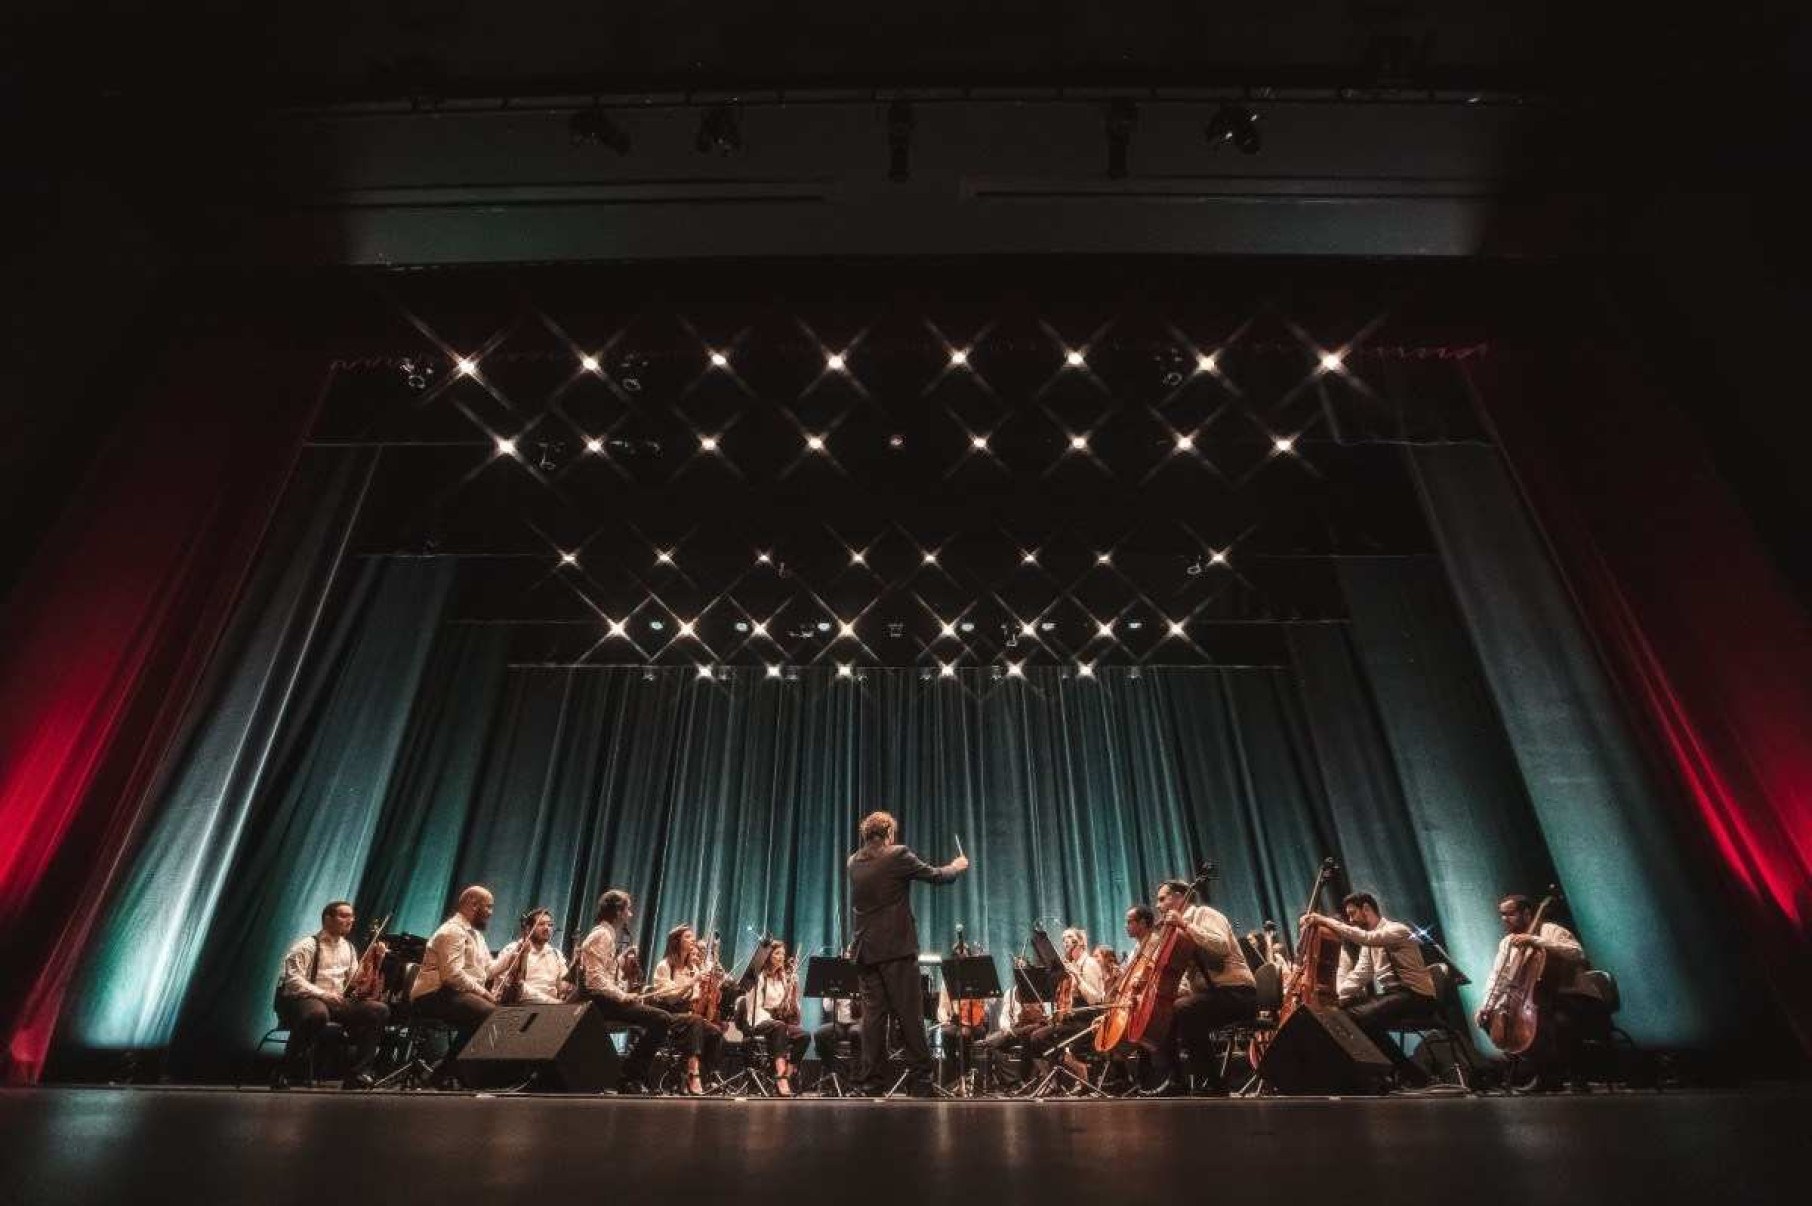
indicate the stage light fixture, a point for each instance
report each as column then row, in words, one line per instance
column 1029, row 629
column 858, row 558
column 930, row 558
column 619, row 628
column 896, row 441
column 1085, row 669
column 657, row 625
column 946, row 629
column 1016, row 670
column 1104, row 558
column 1075, row 359
column 967, row 626
column 704, row 672
column 1177, row 629
column 815, row 443
column 979, row 443
column 1205, row 363
column 1079, row 443
column 824, row 626
column 1218, row 557
column 845, row 670
column 569, row 558
column 1185, row 443
column 958, row 358
column 506, row 447
column 1028, row 558
column 834, row 362
column 773, row 671
column 687, row 628
column 719, row 132
column 1284, row 444
column 707, row 443
column 758, row 628
column 1331, row 362
column 1105, row 628
column 1135, row 625
column 664, row 557
column 763, row 559
column 594, row 445
column 719, row 360
column 741, row 626
column 467, row 366
column 1234, row 124
column 1047, row 626
column 845, row 629
column 946, row 670
column 593, row 127
column 589, row 363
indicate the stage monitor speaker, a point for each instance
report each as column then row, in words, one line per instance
column 1320, row 1050
column 557, row 1048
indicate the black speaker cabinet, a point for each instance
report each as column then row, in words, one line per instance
column 1320, row 1051
column 565, row 1048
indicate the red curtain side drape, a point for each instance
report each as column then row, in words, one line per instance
column 110, row 631
column 1706, row 640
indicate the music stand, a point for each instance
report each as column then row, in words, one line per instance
column 830, row 978
column 968, row 978
column 756, row 962
column 1044, row 948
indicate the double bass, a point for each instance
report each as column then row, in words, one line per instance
column 1314, row 977
column 1141, row 1007
column 1508, row 1017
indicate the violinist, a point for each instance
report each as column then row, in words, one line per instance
column 1021, row 1016
column 600, row 975
column 542, row 976
column 678, row 980
column 313, row 989
column 1217, row 990
column 1390, row 964
column 773, row 1013
column 1085, row 985
column 1566, row 1008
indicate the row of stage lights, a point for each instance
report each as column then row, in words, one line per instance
column 1330, row 362
column 848, row 670
column 947, row 630
column 1027, row 557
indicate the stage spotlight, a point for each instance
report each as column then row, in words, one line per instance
column 896, row 441
column 741, row 626
column 1029, row 629
column 664, row 557
column 763, row 559
column 979, row 443
column 589, row 363
column 1016, row 670
column 506, row 447
column 594, row 445
column 1135, row 625
column 946, row 670
column 815, row 443
column 657, row 625
column 687, row 628
column 834, row 362
column 946, row 629
column 1205, row 363
column 569, row 558
column 1235, row 124
column 1185, row 443
column 719, row 132
column 1047, row 626
column 719, row 360
column 704, row 672
column 619, row 628
column 758, row 628
column 707, row 443
column 773, row 671
column 930, row 558
column 1105, row 628
column 1075, row 360
column 845, row 670
column 1085, row 669
column 593, row 127
column 845, row 629
column 1104, row 558
column 1030, row 558
column 967, row 626
column 824, row 626
column 858, row 558
column 1331, row 362
column 1284, row 444
column 1079, row 443
column 1177, row 629
column 1218, row 557
column 467, row 366
column 959, row 357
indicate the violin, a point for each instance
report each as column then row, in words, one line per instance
column 367, row 982
column 1508, row 1017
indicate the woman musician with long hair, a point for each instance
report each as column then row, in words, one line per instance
column 679, row 978
column 773, row 1013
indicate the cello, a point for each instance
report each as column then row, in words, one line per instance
column 1143, row 1003
column 1509, row 1017
column 1317, row 967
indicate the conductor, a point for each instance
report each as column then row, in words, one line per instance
column 885, row 945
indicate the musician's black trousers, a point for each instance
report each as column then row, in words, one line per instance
column 651, row 1025
column 1389, row 1011
column 306, row 1017
column 892, row 989
column 1198, row 1015
column 826, row 1040
column 784, row 1039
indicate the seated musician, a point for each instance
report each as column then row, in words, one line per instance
column 842, row 1017
column 600, row 976
column 1088, row 986
column 960, row 1024
column 678, row 978
column 312, row 991
column 1217, row 990
column 1567, row 1009
column 450, row 984
column 772, row 1009
column 1390, row 962
column 1021, row 1016
column 543, row 974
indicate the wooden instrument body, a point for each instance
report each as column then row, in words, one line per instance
column 1111, row 1026
column 1511, row 1020
column 1153, row 1006
column 971, row 1013
column 1314, row 978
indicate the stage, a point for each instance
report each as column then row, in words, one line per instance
column 161, row 1145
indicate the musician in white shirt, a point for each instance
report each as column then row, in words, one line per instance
column 601, row 982
column 311, row 992
column 544, row 967
column 772, row 1008
column 1088, row 986
column 1217, row 990
column 1567, row 1007
column 678, row 979
column 1390, row 963
column 451, row 982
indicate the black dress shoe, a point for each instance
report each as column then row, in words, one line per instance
column 358, row 1080
column 279, row 1080
column 629, row 1086
column 1167, row 1088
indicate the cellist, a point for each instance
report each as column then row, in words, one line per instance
column 1390, row 962
column 1564, row 1006
column 1217, row 990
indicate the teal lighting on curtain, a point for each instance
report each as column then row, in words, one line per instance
column 149, row 939
column 1618, row 856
